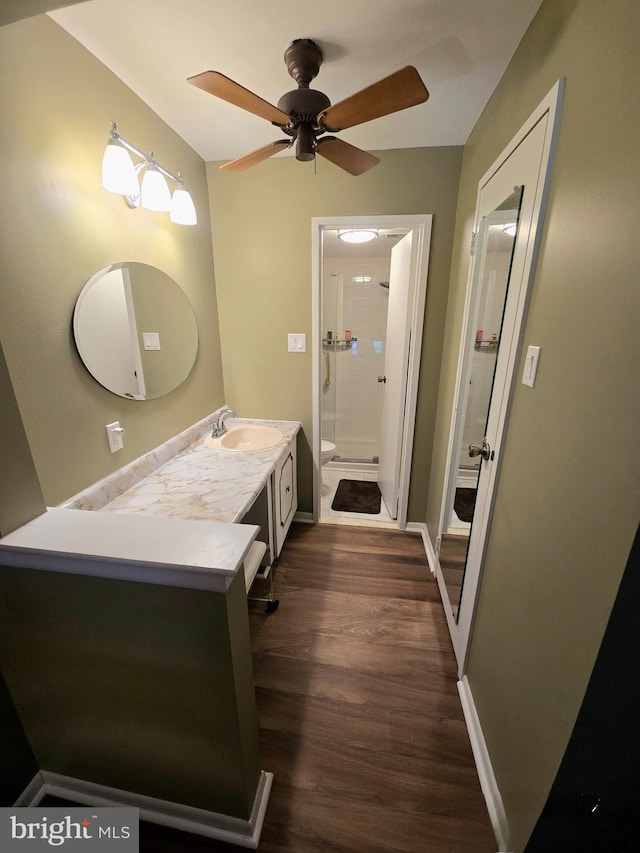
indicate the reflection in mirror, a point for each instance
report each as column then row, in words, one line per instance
column 135, row 331
column 495, row 246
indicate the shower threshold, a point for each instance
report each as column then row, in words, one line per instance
column 372, row 460
column 341, row 463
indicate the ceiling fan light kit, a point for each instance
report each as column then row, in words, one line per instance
column 306, row 114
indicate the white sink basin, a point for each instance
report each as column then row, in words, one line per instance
column 247, row 437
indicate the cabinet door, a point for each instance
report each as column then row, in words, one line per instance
column 286, row 497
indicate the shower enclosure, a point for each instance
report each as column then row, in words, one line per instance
column 354, row 313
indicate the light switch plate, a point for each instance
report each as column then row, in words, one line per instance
column 531, row 366
column 115, row 436
column 151, row 340
column 297, row 342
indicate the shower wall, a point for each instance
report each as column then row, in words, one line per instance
column 352, row 396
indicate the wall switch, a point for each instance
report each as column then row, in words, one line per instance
column 115, row 436
column 297, row 342
column 151, row 340
column 531, row 366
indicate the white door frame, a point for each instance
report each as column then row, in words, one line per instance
column 527, row 246
column 420, row 224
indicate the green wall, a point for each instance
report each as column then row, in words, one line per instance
column 568, row 498
column 20, row 494
column 59, row 227
column 261, row 223
column 147, row 689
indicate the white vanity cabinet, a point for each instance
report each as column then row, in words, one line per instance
column 274, row 508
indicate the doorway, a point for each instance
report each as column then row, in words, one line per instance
column 507, row 228
column 368, row 306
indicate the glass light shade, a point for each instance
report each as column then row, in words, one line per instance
column 154, row 193
column 183, row 211
column 118, row 172
column 362, row 279
column 510, row 229
column 359, row 235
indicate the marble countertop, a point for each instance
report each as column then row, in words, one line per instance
column 205, row 484
column 158, row 519
column 170, row 552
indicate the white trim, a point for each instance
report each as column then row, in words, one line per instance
column 421, row 225
column 488, row 784
column 244, row 833
column 547, row 117
column 421, row 528
column 32, row 794
column 304, row 517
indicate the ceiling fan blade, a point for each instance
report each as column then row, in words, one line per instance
column 255, row 157
column 396, row 92
column 223, row 87
column 353, row 160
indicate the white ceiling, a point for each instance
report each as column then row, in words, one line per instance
column 460, row 48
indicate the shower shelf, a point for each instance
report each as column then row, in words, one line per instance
column 343, row 342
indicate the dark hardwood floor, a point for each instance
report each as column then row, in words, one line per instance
column 359, row 714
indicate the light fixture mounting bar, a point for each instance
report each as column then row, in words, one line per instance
column 149, row 158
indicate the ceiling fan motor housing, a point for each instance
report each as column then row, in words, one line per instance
column 303, row 104
column 303, row 59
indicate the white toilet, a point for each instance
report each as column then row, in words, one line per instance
column 327, row 452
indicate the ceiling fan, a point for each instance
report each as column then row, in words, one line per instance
column 306, row 115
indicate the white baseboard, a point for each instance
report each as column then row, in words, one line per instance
column 488, row 784
column 32, row 794
column 244, row 833
column 304, row 517
column 421, row 527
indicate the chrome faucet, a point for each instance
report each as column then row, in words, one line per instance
column 219, row 427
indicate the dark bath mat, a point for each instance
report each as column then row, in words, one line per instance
column 465, row 503
column 357, row 496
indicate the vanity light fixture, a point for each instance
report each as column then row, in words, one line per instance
column 357, row 235
column 121, row 176
column 510, row 229
column 154, row 191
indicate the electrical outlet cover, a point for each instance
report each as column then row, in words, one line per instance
column 115, row 436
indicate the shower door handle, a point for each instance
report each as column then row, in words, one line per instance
column 382, row 378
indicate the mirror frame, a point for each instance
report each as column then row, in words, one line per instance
column 135, row 331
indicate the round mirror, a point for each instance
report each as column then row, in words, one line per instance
column 135, row 331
